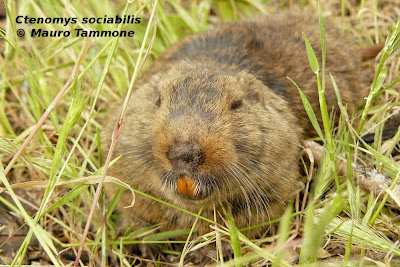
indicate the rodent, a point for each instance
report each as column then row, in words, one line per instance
column 217, row 113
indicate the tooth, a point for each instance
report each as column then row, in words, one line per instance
column 187, row 186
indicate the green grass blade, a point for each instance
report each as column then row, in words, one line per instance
column 312, row 58
column 335, row 87
column 234, row 239
column 283, row 233
column 309, row 111
column 76, row 191
column 167, row 235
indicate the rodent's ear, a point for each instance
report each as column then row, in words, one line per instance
column 256, row 96
column 158, row 101
column 154, row 95
column 253, row 87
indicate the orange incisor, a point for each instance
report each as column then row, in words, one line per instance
column 186, row 186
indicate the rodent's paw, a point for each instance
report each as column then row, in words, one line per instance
column 150, row 251
column 208, row 254
column 200, row 258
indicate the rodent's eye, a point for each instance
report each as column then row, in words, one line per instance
column 158, row 102
column 237, row 104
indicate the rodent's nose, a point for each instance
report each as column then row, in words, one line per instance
column 186, row 156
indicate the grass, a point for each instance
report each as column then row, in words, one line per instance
column 54, row 93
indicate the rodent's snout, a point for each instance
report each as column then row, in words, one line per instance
column 185, row 156
column 191, row 155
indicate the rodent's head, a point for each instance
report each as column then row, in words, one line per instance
column 201, row 124
column 199, row 135
column 216, row 136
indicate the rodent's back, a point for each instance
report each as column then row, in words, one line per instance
column 272, row 49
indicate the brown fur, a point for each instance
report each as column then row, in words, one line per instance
column 226, row 92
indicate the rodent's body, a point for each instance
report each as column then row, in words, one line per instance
column 217, row 109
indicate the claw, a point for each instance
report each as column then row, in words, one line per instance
column 149, row 251
column 193, row 257
column 207, row 255
column 227, row 251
